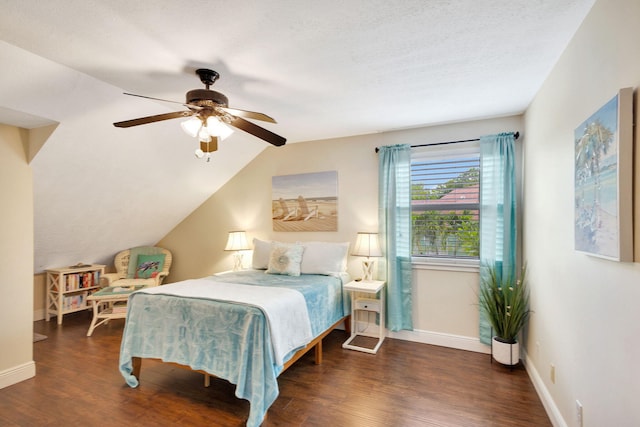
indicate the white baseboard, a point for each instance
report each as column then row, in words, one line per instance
column 17, row 374
column 543, row 393
column 444, row 340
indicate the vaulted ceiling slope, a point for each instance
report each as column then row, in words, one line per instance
column 322, row 69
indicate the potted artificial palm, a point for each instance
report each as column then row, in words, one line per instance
column 505, row 301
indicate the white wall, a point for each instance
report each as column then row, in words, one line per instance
column 587, row 320
column 16, row 258
column 444, row 302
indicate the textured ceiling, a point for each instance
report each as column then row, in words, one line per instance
column 323, row 69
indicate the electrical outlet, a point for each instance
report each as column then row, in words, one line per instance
column 579, row 412
column 552, row 373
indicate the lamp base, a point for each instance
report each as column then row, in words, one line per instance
column 367, row 270
column 237, row 261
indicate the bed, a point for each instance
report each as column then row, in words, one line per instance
column 243, row 326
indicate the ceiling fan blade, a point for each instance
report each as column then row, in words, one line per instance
column 257, row 131
column 248, row 114
column 151, row 119
column 196, row 107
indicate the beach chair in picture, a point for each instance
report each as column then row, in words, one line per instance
column 302, row 211
column 285, row 213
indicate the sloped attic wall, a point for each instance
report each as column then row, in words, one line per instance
column 99, row 189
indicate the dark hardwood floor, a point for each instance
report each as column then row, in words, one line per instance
column 405, row 384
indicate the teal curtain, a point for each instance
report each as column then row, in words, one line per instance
column 497, row 211
column 395, row 232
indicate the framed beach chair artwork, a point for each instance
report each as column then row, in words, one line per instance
column 305, row 202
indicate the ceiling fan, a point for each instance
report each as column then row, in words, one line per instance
column 210, row 114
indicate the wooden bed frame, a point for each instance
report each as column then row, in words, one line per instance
column 316, row 343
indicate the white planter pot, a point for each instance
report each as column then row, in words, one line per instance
column 505, row 353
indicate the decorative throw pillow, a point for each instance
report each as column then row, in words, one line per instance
column 149, row 266
column 133, row 257
column 261, row 253
column 285, row 259
column 324, row 257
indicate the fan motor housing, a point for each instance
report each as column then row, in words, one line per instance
column 206, row 97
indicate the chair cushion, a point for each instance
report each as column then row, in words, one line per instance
column 125, row 283
column 149, row 266
column 133, row 258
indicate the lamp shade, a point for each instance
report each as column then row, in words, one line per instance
column 367, row 244
column 237, row 241
column 192, row 126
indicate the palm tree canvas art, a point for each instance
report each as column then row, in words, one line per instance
column 603, row 164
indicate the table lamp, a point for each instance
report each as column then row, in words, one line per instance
column 237, row 242
column 367, row 245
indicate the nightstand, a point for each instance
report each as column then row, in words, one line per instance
column 370, row 304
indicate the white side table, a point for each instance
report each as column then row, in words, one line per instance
column 373, row 304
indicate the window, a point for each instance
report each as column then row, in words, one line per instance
column 445, row 201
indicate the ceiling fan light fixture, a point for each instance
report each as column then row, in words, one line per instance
column 192, row 126
column 215, row 127
column 204, row 135
column 206, row 148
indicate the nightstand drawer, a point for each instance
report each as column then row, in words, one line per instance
column 368, row 304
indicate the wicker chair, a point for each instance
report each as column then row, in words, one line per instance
column 121, row 263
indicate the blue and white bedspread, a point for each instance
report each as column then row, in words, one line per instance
column 184, row 323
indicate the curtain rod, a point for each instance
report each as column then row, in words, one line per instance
column 516, row 135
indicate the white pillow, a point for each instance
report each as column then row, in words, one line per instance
column 324, row 257
column 285, row 259
column 261, row 252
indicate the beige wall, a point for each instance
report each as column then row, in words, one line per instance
column 39, row 296
column 586, row 321
column 16, row 258
column 444, row 310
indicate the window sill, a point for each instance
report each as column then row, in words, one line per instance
column 448, row 264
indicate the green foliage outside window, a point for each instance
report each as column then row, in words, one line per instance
column 437, row 233
column 446, row 233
